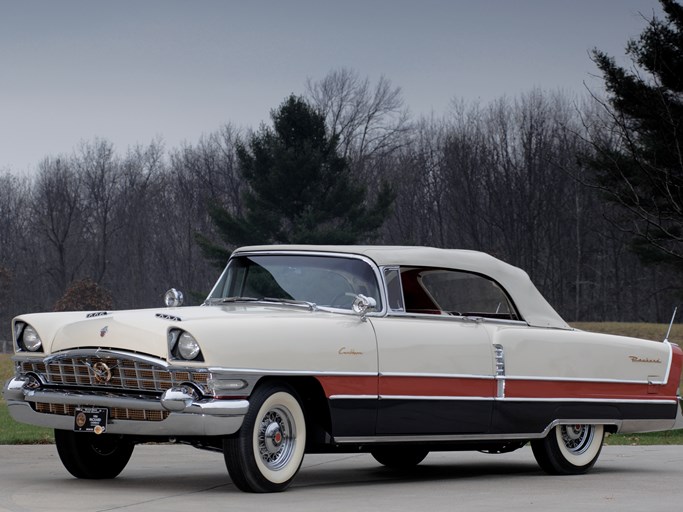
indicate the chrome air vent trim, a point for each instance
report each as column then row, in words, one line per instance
column 96, row 314
column 172, row 318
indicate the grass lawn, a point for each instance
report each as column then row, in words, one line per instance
column 12, row 432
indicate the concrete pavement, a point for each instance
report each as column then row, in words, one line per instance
column 180, row 478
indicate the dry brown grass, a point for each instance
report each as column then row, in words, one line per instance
column 654, row 332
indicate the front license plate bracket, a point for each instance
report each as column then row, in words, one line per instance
column 91, row 419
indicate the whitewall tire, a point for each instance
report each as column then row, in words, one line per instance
column 267, row 452
column 569, row 449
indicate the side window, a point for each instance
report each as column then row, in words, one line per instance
column 456, row 293
column 395, row 293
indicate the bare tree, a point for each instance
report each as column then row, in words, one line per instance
column 100, row 174
column 213, row 164
column 57, row 204
column 142, row 216
column 371, row 121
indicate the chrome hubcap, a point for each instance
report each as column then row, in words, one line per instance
column 276, row 438
column 273, row 437
column 577, row 438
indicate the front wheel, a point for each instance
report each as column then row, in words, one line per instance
column 93, row 456
column 569, row 449
column 267, row 452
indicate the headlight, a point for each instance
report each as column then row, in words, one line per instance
column 183, row 345
column 27, row 338
column 188, row 348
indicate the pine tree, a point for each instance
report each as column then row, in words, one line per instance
column 299, row 189
column 642, row 170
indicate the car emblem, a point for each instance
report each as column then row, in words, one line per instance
column 101, row 372
column 639, row 359
column 81, row 420
column 103, row 331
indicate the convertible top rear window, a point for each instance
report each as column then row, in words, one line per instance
column 438, row 291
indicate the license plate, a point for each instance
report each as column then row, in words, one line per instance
column 91, row 419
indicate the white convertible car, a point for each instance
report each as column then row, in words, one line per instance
column 395, row 351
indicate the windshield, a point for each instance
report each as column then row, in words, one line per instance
column 327, row 281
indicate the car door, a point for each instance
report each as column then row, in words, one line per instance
column 436, row 366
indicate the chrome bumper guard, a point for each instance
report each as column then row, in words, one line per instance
column 187, row 415
column 679, row 415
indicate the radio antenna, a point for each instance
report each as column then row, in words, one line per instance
column 671, row 324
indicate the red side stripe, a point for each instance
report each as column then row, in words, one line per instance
column 594, row 390
column 473, row 388
column 351, row 385
column 437, row 386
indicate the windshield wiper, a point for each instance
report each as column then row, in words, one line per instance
column 310, row 305
column 225, row 300
column 271, row 300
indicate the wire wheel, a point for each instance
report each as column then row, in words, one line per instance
column 576, row 438
column 267, row 452
column 569, row 449
column 275, row 438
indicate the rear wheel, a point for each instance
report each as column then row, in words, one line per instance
column 93, row 456
column 267, row 452
column 399, row 457
column 569, row 449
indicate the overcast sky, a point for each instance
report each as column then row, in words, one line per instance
column 132, row 70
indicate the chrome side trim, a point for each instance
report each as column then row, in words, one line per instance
column 472, row 437
column 591, row 400
column 446, row 317
column 578, row 379
column 434, row 439
column 499, row 358
column 435, row 398
column 354, row 397
column 332, row 373
column 668, row 367
column 305, row 373
column 507, row 399
column 437, row 375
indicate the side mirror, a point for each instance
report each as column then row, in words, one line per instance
column 173, row 298
column 363, row 305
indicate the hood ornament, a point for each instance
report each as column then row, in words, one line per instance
column 101, row 372
column 104, row 331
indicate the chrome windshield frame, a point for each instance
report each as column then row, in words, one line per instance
column 381, row 285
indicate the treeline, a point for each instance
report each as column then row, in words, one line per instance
column 506, row 178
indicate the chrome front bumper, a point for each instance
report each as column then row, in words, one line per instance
column 187, row 415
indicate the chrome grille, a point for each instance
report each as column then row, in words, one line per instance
column 117, row 413
column 116, row 372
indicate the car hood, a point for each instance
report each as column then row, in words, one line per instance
column 146, row 330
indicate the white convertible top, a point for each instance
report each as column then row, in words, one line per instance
column 531, row 305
